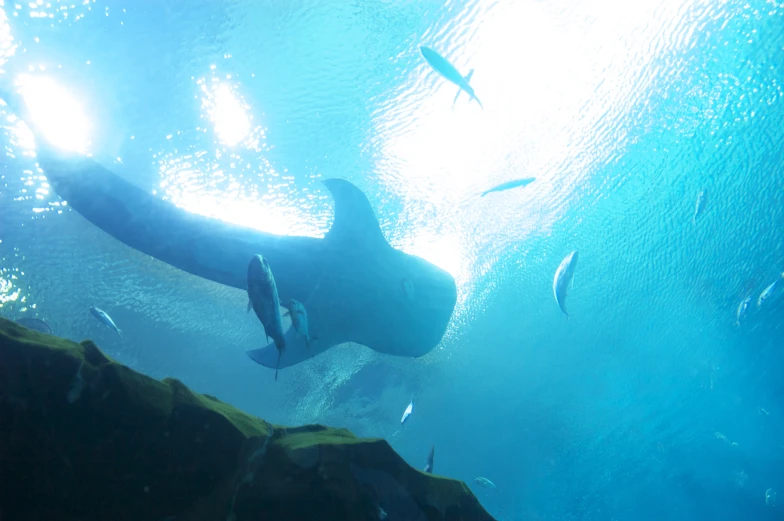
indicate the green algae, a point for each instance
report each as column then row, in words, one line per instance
column 121, row 445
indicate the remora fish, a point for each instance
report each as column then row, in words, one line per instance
column 429, row 466
column 698, row 206
column 563, row 276
column 509, row 185
column 105, row 319
column 299, row 319
column 486, row 483
column 36, row 324
column 407, row 412
column 351, row 272
column 263, row 298
column 442, row 66
column 741, row 312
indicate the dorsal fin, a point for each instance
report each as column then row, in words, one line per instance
column 468, row 76
column 354, row 221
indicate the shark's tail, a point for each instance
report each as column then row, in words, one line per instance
column 477, row 100
column 119, row 333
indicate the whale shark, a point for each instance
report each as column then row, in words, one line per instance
column 352, row 281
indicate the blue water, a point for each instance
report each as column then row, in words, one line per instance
column 647, row 403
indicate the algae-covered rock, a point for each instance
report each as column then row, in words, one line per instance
column 85, row 438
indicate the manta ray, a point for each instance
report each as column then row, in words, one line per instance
column 353, row 284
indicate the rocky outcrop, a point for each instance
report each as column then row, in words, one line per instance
column 85, row 438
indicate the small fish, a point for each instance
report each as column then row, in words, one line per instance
column 770, row 497
column 742, row 308
column 407, row 412
column 767, row 293
column 698, row 206
column 263, row 298
column 105, row 319
column 484, row 482
column 36, row 324
column 509, row 185
column 442, row 66
column 299, row 319
column 76, row 385
column 408, row 289
column 382, row 514
column 429, row 466
column 563, row 276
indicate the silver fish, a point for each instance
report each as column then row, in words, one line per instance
column 407, row 412
column 770, row 497
column 563, row 276
column 509, row 185
column 104, row 318
column 486, row 483
column 299, row 319
column 767, row 293
column 741, row 312
column 442, row 66
column 698, row 205
column 263, row 298
column 429, row 466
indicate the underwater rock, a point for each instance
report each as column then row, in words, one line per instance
column 85, row 438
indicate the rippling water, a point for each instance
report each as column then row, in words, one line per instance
column 623, row 111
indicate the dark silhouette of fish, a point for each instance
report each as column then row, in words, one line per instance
column 443, row 67
column 508, row 185
column 36, row 324
column 349, row 280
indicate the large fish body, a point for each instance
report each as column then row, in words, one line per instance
column 563, row 276
column 429, row 466
column 104, row 318
column 349, row 279
column 442, row 66
column 299, row 319
column 741, row 311
column 263, row 298
column 509, row 185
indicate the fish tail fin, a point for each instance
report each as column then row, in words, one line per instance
column 119, row 333
column 457, row 95
column 484, row 193
column 477, row 100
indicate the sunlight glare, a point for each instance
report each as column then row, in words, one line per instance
column 55, row 113
column 228, row 115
